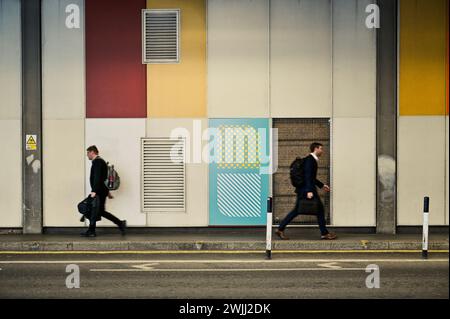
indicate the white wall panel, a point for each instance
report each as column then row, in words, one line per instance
column 354, row 170
column 300, row 57
column 238, row 57
column 10, row 174
column 421, row 167
column 63, row 172
column 118, row 141
column 63, row 78
column 446, row 171
column 196, row 174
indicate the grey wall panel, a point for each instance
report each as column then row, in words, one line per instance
column 300, row 55
column 354, row 60
column 63, row 69
column 10, row 60
column 238, row 56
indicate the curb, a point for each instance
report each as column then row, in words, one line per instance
column 98, row 245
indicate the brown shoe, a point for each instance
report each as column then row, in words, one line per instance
column 281, row 235
column 329, row 236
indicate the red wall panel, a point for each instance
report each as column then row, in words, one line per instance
column 115, row 75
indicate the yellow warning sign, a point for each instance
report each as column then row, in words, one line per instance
column 31, row 142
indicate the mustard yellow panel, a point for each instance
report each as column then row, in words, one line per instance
column 179, row 90
column 423, row 45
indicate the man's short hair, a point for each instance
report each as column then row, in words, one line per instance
column 92, row 148
column 314, row 145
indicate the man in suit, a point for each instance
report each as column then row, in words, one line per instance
column 99, row 173
column 308, row 189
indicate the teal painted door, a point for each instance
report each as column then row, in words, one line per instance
column 238, row 179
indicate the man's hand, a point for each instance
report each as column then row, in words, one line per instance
column 326, row 188
column 93, row 194
column 310, row 195
column 110, row 196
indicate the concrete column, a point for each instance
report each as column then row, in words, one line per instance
column 31, row 117
column 387, row 118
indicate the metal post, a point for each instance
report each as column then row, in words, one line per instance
column 426, row 205
column 269, row 229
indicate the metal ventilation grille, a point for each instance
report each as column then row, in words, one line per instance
column 163, row 174
column 160, row 31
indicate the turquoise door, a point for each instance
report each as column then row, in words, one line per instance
column 238, row 179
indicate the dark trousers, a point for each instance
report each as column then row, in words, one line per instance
column 100, row 211
column 294, row 213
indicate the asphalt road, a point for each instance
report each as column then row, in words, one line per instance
column 224, row 276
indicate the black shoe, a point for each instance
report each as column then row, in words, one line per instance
column 89, row 233
column 82, row 219
column 122, row 226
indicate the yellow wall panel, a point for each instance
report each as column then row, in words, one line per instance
column 179, row 90
column 423, row 27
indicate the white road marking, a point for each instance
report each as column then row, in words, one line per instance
column 218, row 261
column 223, row 270
column 331, row 265
column 145, row 266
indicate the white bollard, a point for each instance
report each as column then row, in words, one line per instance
column 426, row 205
column 269, row 229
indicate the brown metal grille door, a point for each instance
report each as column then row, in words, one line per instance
column 294, row 138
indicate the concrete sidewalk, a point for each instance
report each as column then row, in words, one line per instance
column 244, row 239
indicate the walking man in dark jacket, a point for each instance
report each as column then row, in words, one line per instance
column 99, row 173
column 308, row 189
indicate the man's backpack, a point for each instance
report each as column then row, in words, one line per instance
column 296, row 172
column 113, row 180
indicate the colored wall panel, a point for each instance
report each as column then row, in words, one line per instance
column 179, row 90
column 300, row 57
column 196, row 213
column 423, row 54
column 63, row 70
column 238, row 187
column 10, row 174
column 63, row 173
column 115, row 75
column 354, row 60
column 119, row 142
column 353, row 182
column 10, row 60
column 238, row 58
column 421, row 168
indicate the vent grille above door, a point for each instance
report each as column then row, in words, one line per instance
column 160, row 32
column 163, row 174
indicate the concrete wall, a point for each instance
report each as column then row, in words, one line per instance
column 196, row 213
column 63, row 104
column 10, row 114
column 354, row 111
